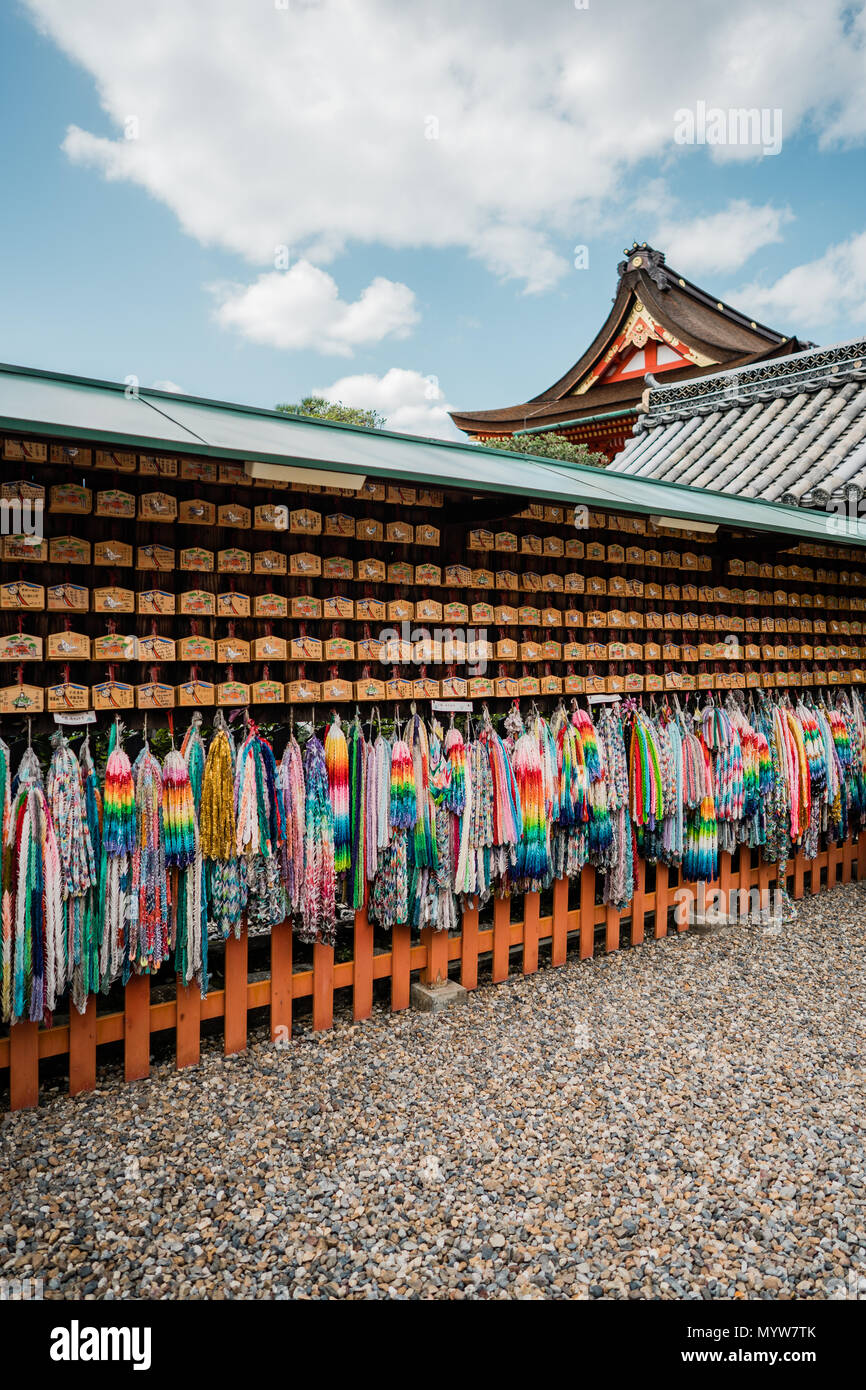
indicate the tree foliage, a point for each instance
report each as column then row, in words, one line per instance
column 549, row 446
column 321, row 409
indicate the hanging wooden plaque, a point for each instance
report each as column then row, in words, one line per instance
column 373, row 572
column 197, row 512
column 341, row 608
column 428, row 576
column 113, row 503
column 199, row 470
column 114, row 646
column 157, row 465
column 339, row 567
column 157, row 506
column 268, row 693
column 155, row 695
column 270, row 517
column 398, row 689
column 115, row 554
column 156, row 649
column 233, row 693
column 369, row 689
column 197, row 603
column 425, row 688
column 68, row 646
column 505, row 687
column 156, row 601
column 232, row 604
column 305, row 563
column 271, row 606
column 305, row 522
column 68, row 550
column 28, row 550
column 20, row 646
column 339, row 649
column 69, row 497
column 270, row 648
column 336, row 689
column 480, row 540
column 67, row 697
column 197, row 560
column 399, row 572
column 72, row 454
column 234, row 561
column 304, row 692
column 269, row 562
column 232, row 514
column 306, row 606
column 22, row 699
column 155, row 557
column 25, row 450
column 191, row 693
column 400, row 610
column 64, row 598
column 196, row 649
column 232, row 649
column 370, row 610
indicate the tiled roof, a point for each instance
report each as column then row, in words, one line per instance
column 790, row 430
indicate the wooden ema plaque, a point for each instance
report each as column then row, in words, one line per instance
column 20, row 646
column 68, row 646
column 271, row 648
column 67, row 698
column 235, row 516
column 156, row 602
column 304, row 692
column 271, row 606
column 233, row 693
column 156, row 649
column 197, row 603
column 68, row 550
column 157, row 506
column 196, row 692
column 68, row 497
column 22, row 699
column 336, row 689
column 66, row 598
column 154, row 695
column 269, row 562
column 155, row 557
column 233, row 605
column 197, row 512
column 369, row 689
column 196, row 649
column 196, row 559
column 25, row 550
column 232, row 649
column 115, row 553
column 114, row 646
column 113, row 600
column 268, row 692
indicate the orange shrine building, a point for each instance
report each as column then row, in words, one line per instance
column 661, row 327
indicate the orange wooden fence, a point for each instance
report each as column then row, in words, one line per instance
column 431, row 957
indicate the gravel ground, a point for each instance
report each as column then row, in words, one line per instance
column 675, row 1121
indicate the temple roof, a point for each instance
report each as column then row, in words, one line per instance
column 791, row 430
column 653, row 304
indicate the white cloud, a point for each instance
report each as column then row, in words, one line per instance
column 722, row 240
column 166, row 386
column 829, row 290
column 301, row 308
column 410, row 402
column 307, row 126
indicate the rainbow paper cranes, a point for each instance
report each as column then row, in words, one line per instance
column 139, row 868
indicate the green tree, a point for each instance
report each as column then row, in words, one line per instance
column 548, row 446
column 321, row 409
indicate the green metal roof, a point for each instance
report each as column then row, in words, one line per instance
column 33, row 402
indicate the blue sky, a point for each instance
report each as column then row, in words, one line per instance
column 420, row 272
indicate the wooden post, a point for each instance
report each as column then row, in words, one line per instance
column 611, row 928
column 323, row 986
column 847, row 858
column 559, row 937
column 23, row 1065
column 82, row 1047
column 861, row 855
column 587, row 911
column 436, row 969
column 401, row 972
column 661, row 908
column 362, row 975
column 725, row 880
column 236, row 992
column 136, row 1028
column 638, row 905
column 815, row 874
column 469, row 947
column 799, row 874
column 530, row 932
column 501, row 938
column 281, row 982
column 188, row 1028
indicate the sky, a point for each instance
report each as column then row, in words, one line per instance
column 413, row 206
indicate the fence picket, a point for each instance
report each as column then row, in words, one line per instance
column 136, row 1028
column 281, row 982
column 323, row 986
column 469, row 946
column 559, row 940
column 531, row 903
column 401, row 970
column 82, row 1048
column 501, row 938
column 362, row 978
column 24, row 1065
column 587, row 911
column 236, row 992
